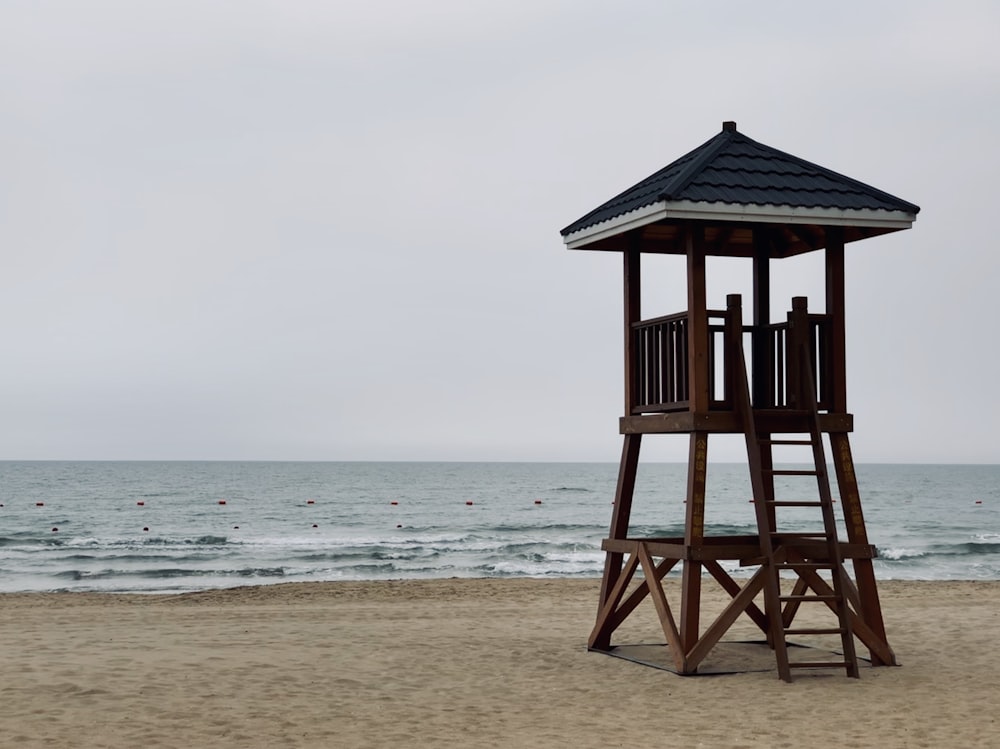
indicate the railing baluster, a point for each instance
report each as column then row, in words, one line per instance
column 657, row 361
column 682, row 370
column 781, row 398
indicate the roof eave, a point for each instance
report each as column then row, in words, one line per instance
column 687, row 210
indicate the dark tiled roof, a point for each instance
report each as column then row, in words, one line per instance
column 734, row 169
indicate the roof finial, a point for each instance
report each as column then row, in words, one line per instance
column 729, row 126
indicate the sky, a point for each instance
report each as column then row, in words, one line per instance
column 300, row 230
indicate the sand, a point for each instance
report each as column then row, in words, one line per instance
column 462, row 663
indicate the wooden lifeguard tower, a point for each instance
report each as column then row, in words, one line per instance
column 687, row 373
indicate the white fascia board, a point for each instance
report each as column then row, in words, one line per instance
column 649, row 214
column 741, row 213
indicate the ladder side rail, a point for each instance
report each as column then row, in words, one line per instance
column 807, row 396
column 769, row 570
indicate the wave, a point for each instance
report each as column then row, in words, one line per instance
column 146, row 541
column 199, row 541
column 167, row 573
column 517, row 529
column 940, row 551
column 970, row 547
column 29, row 539
column 900, row 554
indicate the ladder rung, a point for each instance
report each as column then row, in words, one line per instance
column 785, row 442
column 796, row 503
column 810, row 597
column 819, row 664
column 815, row 631
column 802, row 536
column 790, row 472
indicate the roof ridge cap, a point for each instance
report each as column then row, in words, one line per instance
column 683, row 178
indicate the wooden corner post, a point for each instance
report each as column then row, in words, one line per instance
column 631, row 283
column 698, row 346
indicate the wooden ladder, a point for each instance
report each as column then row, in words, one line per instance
column 778, row 549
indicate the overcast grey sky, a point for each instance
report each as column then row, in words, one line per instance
column 273, row 229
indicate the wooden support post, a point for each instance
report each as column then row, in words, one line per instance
column 864, row 573
column 835, row 308
column 631, row 282
column 697, row 320
column 699, row 395
column 762, row 385
column 798, row 337
column 694, row 534
column 619, row 526
column 760, row 344
column 633, row 313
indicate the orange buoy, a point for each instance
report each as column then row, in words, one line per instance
column 222, row 501
column 140, row 504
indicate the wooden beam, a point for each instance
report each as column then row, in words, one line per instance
column 733, row 589
column 636, row 596
column 728, row 422
column 864, row 573
column 632, row 294
column 602, row 628
column 725, row 620
column 782, row 243
column 761, row 391
column 663, row 609
column 792, row 607
column 698, row 320
column 718, row 243
column 694, row 533
column 835, row 301
column 808, row 234
column 620, row 515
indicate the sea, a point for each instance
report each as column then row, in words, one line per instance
column 171, row 527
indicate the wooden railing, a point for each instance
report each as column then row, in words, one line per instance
column 662, row 374
column 781, row 385
column 661, row 371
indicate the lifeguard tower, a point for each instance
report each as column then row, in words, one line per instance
column 689, row 373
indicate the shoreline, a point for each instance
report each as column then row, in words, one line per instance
column 461, row 662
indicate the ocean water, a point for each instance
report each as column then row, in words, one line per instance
column 183, row 526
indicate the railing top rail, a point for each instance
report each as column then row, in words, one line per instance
column 660, row 320
column 677, row 316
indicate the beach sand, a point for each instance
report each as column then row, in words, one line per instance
column 462, row 663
